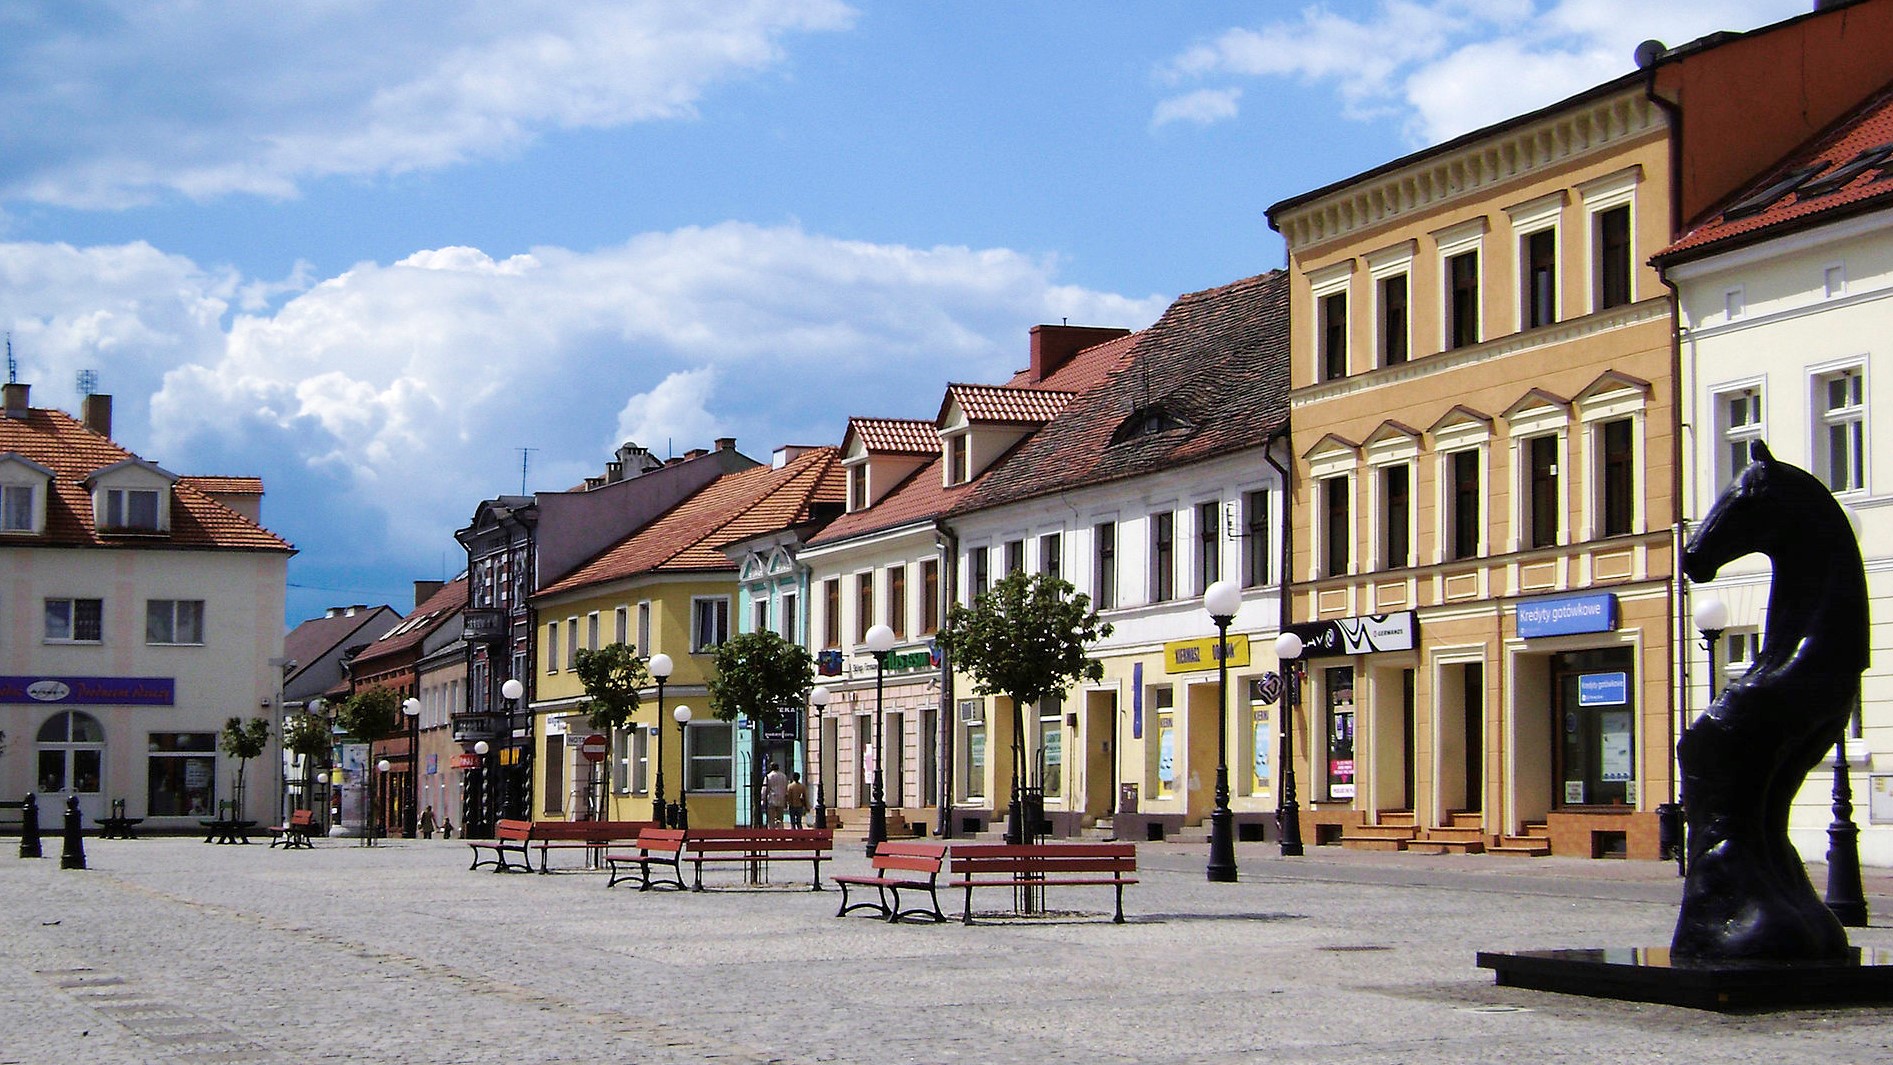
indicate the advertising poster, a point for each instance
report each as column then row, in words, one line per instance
column 1341, row 732
column 354, row 786
column 1614, row 745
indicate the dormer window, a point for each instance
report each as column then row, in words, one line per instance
column 858, row 487
column 1147, row 421
column 16, row 509
column 133, row 496
column 959, row 458
column 24, row 485
column 134, row 509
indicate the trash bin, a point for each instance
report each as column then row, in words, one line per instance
column 1669, row 830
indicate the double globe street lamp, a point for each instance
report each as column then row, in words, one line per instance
column 411, row 709
column 1222, row 599
column 1288, row 649
column 880, row 643
column 660, row 667
column 682, row 714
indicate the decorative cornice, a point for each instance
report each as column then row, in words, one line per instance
column 1435, row 181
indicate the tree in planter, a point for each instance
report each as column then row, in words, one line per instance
column 365, row 717
column 307, row 735
column 612, row 676
column 765, row 678
column 243, row 741
column 1025, row 639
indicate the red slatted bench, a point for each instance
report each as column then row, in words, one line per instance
column 656, row 846
column 898, row 865
column 980, row 865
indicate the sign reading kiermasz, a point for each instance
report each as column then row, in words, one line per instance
column 1358, row 636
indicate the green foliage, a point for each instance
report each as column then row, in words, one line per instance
column 307, row 735
column 369, row 715
column 1025, row 638
column 612, row 677
column 244, row 741
column 761, row 676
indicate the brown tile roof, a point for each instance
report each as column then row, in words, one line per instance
column 316, row 637
column 1087, row 369
column 1843, row 171
column 904, row 436
column 228, row 486
column 1214, row 368
column 433, row 612
column 1004, row 403
column 733, row 507
column 62, row 443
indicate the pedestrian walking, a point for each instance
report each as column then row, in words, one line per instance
column 775, row 794
column 447, row 829
column 797, row 797
column 427, row 823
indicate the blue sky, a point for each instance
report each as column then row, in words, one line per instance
column 367, row 250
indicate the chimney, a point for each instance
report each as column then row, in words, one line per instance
column 16, row 398
column 726, row 443
column 1054, row 345
column 695, row 453
column 424, row 590
column 95, row 411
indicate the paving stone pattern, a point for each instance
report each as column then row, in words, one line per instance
column 171, row 951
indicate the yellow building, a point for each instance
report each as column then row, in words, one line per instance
column 1484, row 502
column 667, row 589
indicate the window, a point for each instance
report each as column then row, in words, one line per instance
column 1538, row 252
column 791, row 615
column 1834, row 282
column 644, row 628
column 1462, row 301
column 1463, row 534
column 1163, row 573
column 180, row 771
column 929, row 596
column 831, row 612
column 1739, row 424
column 858, row 487
column 897, row 600
column 1393, row 320
column 1333, row 309
column 1734, row 305
column 863, row 604
column 1396, row 516
column 131, row 508
column 970, row 758
column 1841, row 445
column 1015, row 557
column 981, row 576
column 1612, row 242
column 1051, row 561
column 1336, row 532
column 710, row 750
column 959, row 458
column 1161, row 699
column 16, row 508
column 709, row 623
column 1617, row 501
column 75, row 620
column 571, row 643
column 759, row 613
column 174, row 621
column 552, row 647
column 1541, row 491
column 621, row 625
column 1051, row 746
column 1255, row 539
column 591, row 631
column 631, row 761
column 1104, row 565
column 1209, row 558
column 555, row 775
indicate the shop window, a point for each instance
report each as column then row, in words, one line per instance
column 1259, row 781
column 1162, row 703
column 555, row 774
column 710, row 752
column 180, row 774
column 970, row 755
column 1595, row 728
column 1338, row 688
column 1051, row 746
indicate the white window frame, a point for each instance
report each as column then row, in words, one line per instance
column 10, row 499
column 1383, row 266
column 171, row 608
column 1824, row 418
column 552, row 646
column 1729, row 436
column 1335, row 280
column 621, row 625
column 719, row 607
column 115, row 509
column 644, row 627
column 759, row 611
column 1452, row 242
column 571, row 643
column 1528, row 220
column 1598, row 196
column 593, row 631
column 71, row 619
column 1593, row 412
column 1533, row 424
column 692, row 760
column 1470, row 435
column 1322, row 467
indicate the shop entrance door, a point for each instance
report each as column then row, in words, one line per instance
column 71, row 752
column 1594, row 698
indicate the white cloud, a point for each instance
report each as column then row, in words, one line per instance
column 1203, row 107
column 1445, row 67
column 113, row 104
column 394, row 397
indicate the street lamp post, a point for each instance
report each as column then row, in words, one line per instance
column 682, row 821
column 412, row 709
column 483, row 790
column 818, row 697
column 1846, row 896
column 1288, row 650
column 660, row 667
column 1222, row 599
column 880, row 642
column 314, row 707
column 374, row 818
column 512, row 691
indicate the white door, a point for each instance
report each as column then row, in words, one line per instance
column 71, row 754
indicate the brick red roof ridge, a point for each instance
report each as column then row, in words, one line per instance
column 1007, row 404
column 1868, row 125
column 425, row 619
column 906, row 436
column 1217, row 360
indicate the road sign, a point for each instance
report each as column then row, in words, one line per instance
column 593, row 748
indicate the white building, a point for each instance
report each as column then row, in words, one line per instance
column 140, row 611
column 1786, row 300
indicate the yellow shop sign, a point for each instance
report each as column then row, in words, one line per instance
column 1191, row 656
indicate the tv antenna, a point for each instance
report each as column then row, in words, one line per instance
column 88, row 382
column 525, row 462
column 13, row 367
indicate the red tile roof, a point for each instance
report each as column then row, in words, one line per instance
column 62, row 443
column 1843, row 171
column 1004, row 403
column 1213, row 369
column 905, row 436
column 416, row 627
column 227, row 486
column 733, row 507
column 1087, row 369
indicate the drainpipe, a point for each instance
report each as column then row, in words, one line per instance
column 1679, row 534
column 948, row 542
column 1287, row 476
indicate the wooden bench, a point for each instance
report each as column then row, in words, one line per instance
column 898, row 865
column 757, row 846
column 295, row 833
column 656, row 846
column 1026, row 868
column 517, row 838
column 509, row 838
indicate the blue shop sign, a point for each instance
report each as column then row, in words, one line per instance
column 1603, row 689
column 1567, row 615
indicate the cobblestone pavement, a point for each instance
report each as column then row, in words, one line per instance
column 168, row 950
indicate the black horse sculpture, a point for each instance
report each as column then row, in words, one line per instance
column 1747, row 895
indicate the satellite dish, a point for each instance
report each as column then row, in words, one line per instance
column 1648, row 53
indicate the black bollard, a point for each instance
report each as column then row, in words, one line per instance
column 74, row 855
column 29, row 827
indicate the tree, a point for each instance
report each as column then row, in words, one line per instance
column 762, row 677
column 307, row 735
column 1025, row 639
column 243, row 741
column 612, row 677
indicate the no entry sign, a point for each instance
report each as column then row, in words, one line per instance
column 593, row 748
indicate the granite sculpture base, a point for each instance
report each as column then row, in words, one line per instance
column 1651, row 974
